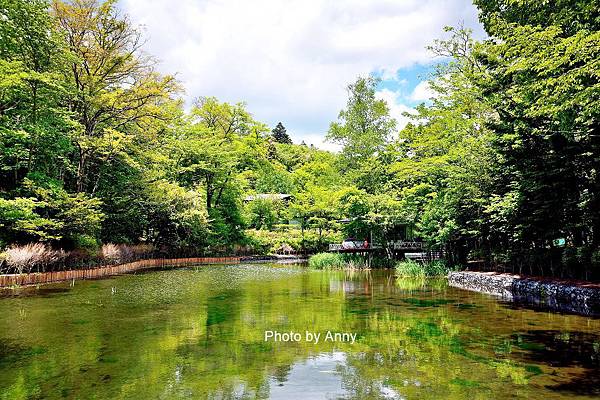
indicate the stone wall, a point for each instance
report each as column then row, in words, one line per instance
column 563, row 296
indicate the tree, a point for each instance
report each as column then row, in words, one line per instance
column 364, row 127
column 34, row 129
column 570, row 15
column 280, row 134
column 437, row 175
column 263, row 213
column 116, row 92
column 211, row 150
column 541, row 82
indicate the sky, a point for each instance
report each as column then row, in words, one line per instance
column 292, row 60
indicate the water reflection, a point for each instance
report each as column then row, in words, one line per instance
column 199, row 333
column 314, row 378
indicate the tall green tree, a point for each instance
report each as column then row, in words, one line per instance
column 541, row 78
column 364, row 127
column 568, row 15
column 34, row 128
column 116, row 92
column 280, row 134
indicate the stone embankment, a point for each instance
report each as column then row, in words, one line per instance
column 558, row 295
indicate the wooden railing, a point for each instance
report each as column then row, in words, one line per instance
column 406, row 245
column 396, row 245
column 99, row 272
column 424, row 256
column 341, row 247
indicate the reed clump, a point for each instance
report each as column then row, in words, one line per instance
column 327, row 261
column 412, row 268
column 41, row 257
column 119, row 253
column 32, row 256
column 347, row 261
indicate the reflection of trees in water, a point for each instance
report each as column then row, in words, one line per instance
column 565, row 350
column 193, row 332
column 361, row 385
column 281, row 372
column 222, row 314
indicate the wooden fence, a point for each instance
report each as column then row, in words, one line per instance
column 99, row 272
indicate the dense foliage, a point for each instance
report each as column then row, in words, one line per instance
column 95, row 147
column 500, row 167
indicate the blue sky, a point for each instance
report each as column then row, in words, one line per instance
column 291, row 60
column 406, row 80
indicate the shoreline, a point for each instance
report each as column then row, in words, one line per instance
column 8, row 281
column 569, row 296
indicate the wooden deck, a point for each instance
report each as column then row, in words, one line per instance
column 395, row 245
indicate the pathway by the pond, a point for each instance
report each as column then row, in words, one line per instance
column 200, row 333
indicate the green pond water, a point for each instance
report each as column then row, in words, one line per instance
column 198, row 332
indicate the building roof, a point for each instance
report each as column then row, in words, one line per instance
column 268, row 196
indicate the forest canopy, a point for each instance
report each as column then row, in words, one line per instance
column 499, row 167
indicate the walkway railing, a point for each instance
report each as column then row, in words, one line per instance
column 341, row 247
column 424, row 256
column 406, row 245
column 396, row 245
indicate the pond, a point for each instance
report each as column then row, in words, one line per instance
column 199, row 332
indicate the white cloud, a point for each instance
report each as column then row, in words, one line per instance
column 318, row 140
column 397, row 108
column 290, row 60
column 422, row 92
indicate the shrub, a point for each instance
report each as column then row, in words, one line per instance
column 142, row 250
column 595, row 258
column 41, row 257
column 110, row 252
column 288, row 240
column 79, row 259
column 86, row 242
column 569, row 260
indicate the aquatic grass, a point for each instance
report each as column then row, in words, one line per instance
column 411, row 268
column 436, row 268
column 420, row 283
column 327, row 261
column 346, row 261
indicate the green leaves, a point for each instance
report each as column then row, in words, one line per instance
column 364, row 127
column 18, row 217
